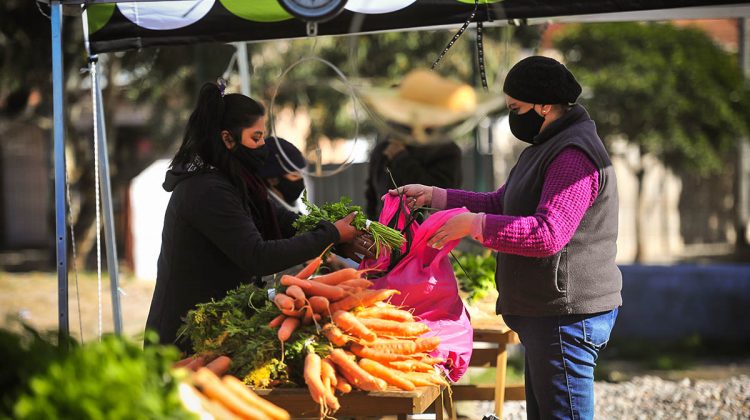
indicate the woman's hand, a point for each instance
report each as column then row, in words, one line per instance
column 363, row 245
column 417, row 195
column 456, row 227
column 347, row 232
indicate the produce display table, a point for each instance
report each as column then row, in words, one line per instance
column 490, row 330
column 298, row 403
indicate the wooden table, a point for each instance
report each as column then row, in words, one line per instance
column 490, row 330
column 356, row 404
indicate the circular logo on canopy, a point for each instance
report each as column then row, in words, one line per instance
column 377, row 6
column 165, row 15
column 257, row 10
column 313, row 10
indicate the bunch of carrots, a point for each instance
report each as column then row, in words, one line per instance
column 226, row 398
column 373, row 344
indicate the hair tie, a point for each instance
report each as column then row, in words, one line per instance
column 222, row 85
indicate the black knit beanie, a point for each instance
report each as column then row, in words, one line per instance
column 541, row 80
column 276, row 165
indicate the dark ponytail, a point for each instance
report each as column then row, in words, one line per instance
column 202, row 146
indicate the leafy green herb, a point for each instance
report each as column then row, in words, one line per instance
column 237, row 326
column 382, row 235
column 475, row 273
column 111, row 379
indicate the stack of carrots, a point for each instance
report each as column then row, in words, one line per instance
column 373, row 344
column 226, row 398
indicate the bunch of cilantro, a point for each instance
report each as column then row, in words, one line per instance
column 383, row 236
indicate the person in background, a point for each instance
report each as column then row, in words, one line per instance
column 409, row 163
column 220, row 228
column 413, row 147
column 554, row 226
column 284, row 180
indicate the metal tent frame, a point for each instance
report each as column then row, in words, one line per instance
column 602, row 11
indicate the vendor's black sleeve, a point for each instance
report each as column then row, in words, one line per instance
column 218, row 214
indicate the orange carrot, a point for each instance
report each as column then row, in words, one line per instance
column 184, row 362
column 386, row 312
column 287, row 328
column 386, row 374
column 312, row 266
column 276, row 322
column 241, row 390
column 373, row 354
column 343, row 385
column 319, row 392
column 283, row 301
column 328, row 371
column 295, row 292
column 363, row 283
column 353, row 373
column 432, row 360
column 334, row 335
column 198, row 362
column 212, row 386
column 220, row 365
column 365, row 298
column 410, row 365
column 433, row 377
column 337, row 276
column 294, row 313
column 319, row 304
column 312, row 288
column 395, row 328
column 350, row 324
column 307, row 317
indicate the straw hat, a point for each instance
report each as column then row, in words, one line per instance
column 424, row 99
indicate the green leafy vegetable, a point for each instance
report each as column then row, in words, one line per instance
column 237, row 326
column 382, row 235
column 111, row 379
column 475, row 273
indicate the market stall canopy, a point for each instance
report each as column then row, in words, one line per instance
column 116, row 26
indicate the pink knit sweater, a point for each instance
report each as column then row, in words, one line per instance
column 571, row 185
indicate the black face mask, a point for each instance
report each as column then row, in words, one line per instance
column 251, row 159
column 525, row 126
column 290, row 190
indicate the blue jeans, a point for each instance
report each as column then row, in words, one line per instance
column 561, row 353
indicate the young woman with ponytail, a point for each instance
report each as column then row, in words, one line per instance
column 220, row 228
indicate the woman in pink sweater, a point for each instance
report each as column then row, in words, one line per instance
column 554, row 227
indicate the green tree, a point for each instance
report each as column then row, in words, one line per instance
column 671, row 91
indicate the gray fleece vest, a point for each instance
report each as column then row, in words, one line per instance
column 582, row 278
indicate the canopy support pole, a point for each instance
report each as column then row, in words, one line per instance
column 244, row 67
column 742, row 205
column 100, row 134
column 58, row 134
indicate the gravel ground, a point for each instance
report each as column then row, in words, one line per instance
column 652, row 398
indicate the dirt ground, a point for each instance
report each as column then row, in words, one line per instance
column 33, row 298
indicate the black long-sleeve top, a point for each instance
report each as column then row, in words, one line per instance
column 436, row 165
column 211, row 244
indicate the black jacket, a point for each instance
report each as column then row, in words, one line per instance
column 437, row 165
column 210, row 245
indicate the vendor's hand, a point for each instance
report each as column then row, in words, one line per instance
column 347, row 232
column 456, row 227
column 393, row 149
column 364, row 245
column 417, row 195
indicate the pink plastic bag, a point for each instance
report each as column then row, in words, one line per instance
column 428, row 284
